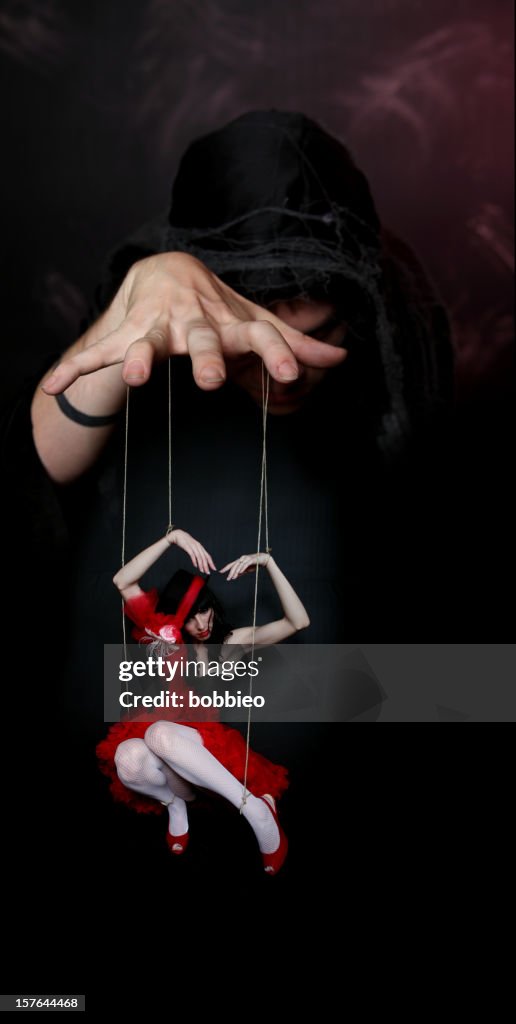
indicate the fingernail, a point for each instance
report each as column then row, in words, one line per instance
column 211, row 376
column 135, row 370
column 287, row 371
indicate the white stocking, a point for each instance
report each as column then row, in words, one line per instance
column 139, row 769
column 181, row 748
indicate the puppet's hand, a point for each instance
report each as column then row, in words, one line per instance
column 246, row 563
column 171, row 304
column 201, row 558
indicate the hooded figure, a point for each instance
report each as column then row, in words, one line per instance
column 277, row 208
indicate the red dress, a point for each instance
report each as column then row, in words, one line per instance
column 225, row 743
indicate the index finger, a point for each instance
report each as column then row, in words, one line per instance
column 228, row 566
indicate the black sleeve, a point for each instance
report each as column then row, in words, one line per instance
column 36, row 528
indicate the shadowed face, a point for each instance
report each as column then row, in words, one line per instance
column 314, row 317
column 200, row 626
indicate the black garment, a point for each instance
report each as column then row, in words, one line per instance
column 351, row 539
column 277, row 208
column 216, row 460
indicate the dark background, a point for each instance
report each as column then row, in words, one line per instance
column 99, row 101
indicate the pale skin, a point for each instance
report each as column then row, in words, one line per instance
column 199, row 627
column 169, row 777
column 170, row 304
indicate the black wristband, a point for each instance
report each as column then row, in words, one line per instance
column 82, row 417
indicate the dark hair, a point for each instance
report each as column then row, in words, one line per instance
column 176, row 588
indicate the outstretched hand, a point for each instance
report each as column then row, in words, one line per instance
column 246, row 563
column 201, row 558
column 171, row 304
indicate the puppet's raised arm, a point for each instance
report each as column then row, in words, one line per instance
column 295, row 616
column 128, row 576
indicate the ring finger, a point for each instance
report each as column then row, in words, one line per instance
column 239, row 568
column 263, row 338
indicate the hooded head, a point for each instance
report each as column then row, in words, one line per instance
column 277, row 208
column 272, row 204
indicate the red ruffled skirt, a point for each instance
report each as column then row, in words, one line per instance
column 225, row 743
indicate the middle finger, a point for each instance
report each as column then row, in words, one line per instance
column 205, row 348
column 203, row 560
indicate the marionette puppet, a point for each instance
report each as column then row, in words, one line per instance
column 163, row 763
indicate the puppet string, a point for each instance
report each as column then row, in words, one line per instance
column 124, row 509
column 263, row 513
column 170, row 525
column 263, row 516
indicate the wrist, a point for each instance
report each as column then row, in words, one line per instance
column 170, row 536
column 101, row 393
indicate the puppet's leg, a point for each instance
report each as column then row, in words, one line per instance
column 139, row 769
column 181, row 747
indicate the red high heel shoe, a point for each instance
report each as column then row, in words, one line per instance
column 178, row 844
column 272, row 862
